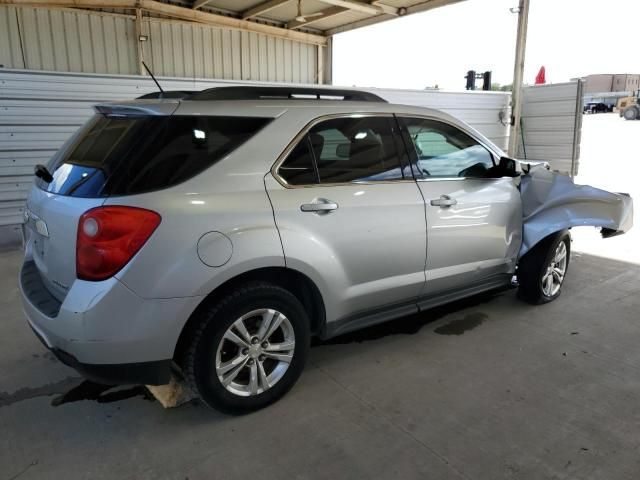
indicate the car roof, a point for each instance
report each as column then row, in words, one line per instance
column 303, row 110
column 264, row 107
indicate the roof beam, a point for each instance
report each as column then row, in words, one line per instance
column 200, row 3
column 181, row 13
column 261, row 8
column 370, row 8
column 388, row 9
column 314, row 17
column 419, row 7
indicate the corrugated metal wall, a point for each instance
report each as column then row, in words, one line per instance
column 80, row 41
column 551, row 125
column 188, row 50
column 40, row 110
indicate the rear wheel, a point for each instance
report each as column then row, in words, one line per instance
column 542, row 270
column 249, row 349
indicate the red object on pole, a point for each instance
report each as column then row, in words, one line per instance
column 541, row 78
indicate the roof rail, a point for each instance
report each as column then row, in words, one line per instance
column 280, row 93
column 167, row 94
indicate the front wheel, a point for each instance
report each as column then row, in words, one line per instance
column 542, row 270
column 249, row 349
column 630, row 113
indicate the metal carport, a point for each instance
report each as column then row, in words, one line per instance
column 230, row 40
column 305, row 21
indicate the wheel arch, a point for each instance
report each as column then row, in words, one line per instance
column 299, row 284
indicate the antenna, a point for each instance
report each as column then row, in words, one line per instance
column 154, row 79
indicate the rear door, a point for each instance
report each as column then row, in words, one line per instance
column 350, row 214
column 474, row 222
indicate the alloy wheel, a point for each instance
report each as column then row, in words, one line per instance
column 255, row 352
column 555, row 272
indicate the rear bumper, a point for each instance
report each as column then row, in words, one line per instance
column 105, row 331
column 147, row 373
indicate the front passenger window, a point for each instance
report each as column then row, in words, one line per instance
column 444, row 151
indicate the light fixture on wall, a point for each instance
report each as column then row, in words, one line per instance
column 143, row 38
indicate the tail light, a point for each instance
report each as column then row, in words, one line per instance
column 108, row 237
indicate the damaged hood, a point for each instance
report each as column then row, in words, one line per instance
column 552, row 202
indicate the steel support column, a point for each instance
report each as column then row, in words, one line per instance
column 518, row 74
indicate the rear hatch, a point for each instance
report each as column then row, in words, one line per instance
column 123, row 150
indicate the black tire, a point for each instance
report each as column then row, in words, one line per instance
column 630, row 113
column 533, row 267
column 213, row 322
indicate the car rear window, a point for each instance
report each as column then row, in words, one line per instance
column 129, row 155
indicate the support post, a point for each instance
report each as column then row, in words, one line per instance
column 320, row 65
column 518, row 74
column 325, row 76
column 141, row 70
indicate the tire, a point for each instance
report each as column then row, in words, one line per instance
column 534, row 265
column 217, row 342
column 630, row 113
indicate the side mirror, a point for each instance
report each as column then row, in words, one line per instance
column 507, row 167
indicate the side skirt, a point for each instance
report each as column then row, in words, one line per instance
column 386, row 313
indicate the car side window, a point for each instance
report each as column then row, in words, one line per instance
column 344, row 150
column 361, row 149
column 444, row 151
column 299, row 167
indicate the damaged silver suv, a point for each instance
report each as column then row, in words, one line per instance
column 216, row 233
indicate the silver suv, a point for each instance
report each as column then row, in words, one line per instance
column 216, row 233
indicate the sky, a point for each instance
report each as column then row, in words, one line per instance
column 571, row 38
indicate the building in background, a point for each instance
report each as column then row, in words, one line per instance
column 611, row 82
column 625, row 83
column 598, row 83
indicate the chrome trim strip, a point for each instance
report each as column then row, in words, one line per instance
column 446, row 179
column 454, row 179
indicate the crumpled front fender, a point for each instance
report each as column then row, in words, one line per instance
column 552, row 202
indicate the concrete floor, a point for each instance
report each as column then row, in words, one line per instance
column 488, row 388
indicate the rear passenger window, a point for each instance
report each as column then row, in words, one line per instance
column 362, row 149
column 129, row 155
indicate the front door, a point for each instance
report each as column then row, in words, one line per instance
column 474, row 222
column 351, row 216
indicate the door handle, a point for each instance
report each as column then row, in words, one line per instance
column 444, row 201
column 319, row 206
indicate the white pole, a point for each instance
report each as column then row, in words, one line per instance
column 518, row 74
column 139, row 53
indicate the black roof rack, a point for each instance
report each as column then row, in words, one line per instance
column 279, row 93
column 168, row 94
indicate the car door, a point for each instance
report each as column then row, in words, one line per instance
column 474, row 221
column 350, row 214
